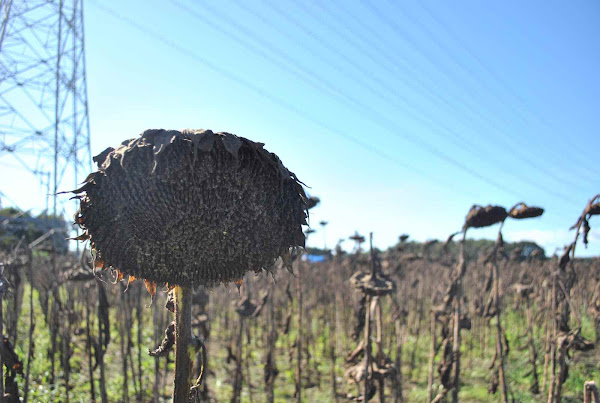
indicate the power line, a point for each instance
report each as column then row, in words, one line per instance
column 390, row 124
column 280, row 101
column 404, row 34
column 465, row 144
column 423, row 90
column 359, row 78
column 506, row 85
column 559, row 156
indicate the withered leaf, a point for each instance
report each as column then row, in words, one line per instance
column 151, row 287
column 118, row 276
column 10, row 357
column 100, row 158
column 166, row 344
column 82, row 237
column 586, row 231
column 203, row 140
column 232, row 143
column 78, row 190
column 161, row 141
column 312, row 201
column 130, row 280
column 565, row 258
column 449, row 240
column 594, row 209
column 170, row 304
column 238, row 283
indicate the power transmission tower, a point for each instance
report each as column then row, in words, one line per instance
column 44, row 122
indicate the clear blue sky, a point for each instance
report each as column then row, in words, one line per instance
column 398, row 115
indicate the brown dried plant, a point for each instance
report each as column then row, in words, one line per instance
column 190, row 208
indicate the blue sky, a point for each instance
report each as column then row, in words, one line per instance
column 398, row 115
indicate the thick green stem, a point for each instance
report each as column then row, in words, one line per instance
column 183, row 336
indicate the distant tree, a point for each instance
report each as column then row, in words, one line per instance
column 16, row 225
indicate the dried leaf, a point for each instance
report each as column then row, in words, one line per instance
column 565, row 258
column 232, row 143
column 82, row 237
column 203, row 140
column 76, row 191
column 238, row 283
column 90, row 177
column 118, row 276
column 151, row 287
column 594, row 209
column 448, row 240
column 170, row 304
column 586, row 230
column 167, row 343
column 130, row 280
column 287, row 263
column 10, row 357
column 100, row 158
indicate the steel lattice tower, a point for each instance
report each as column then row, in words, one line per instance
column 44, row 120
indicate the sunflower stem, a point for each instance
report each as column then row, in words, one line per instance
column 183, row 336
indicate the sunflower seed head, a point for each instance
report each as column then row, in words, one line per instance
column 479, row 217
column 192, row 207
column 521, row 211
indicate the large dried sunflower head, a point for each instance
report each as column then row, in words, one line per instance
column 521, row 211
column 480, row 217
column 191, row 208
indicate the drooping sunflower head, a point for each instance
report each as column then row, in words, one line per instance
column 191, row 207
column 479, row 217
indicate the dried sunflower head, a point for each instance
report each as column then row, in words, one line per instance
column 480, row 217
column 191, row 208
column 593, row 209
column 372, row 285
column 312, row 202
column 521, row 211
column 357, row 238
